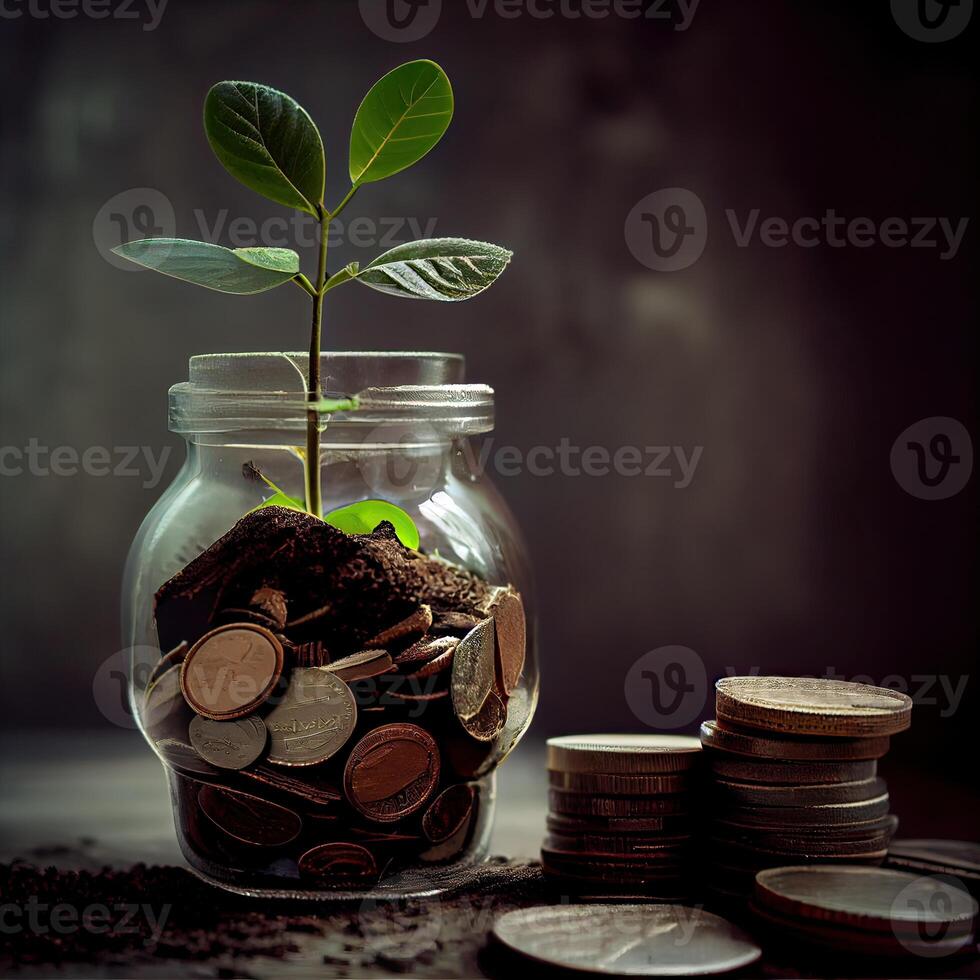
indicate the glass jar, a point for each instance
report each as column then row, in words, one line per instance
column 405, row 793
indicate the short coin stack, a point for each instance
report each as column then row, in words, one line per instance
column 621, row 818
column 792, row 775
column 791, row 765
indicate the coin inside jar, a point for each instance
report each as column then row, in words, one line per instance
column 315, row 717
column 473, row 671
column 228, row 744
column 230, row 671
column 338, row 863
column 392, row 772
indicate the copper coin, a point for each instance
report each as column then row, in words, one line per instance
column 510, row 627
column 715, row 735
column 230, row 671
column 584, row 804
column 627, row 940
column 434, row 666
column 612, row 784
column 740, row 769
column 623, row 754
column 449, row 812
column 812, row 706
column 360, row 666
column 314, row 719
column 790, row 850
column 272, row 602
column 454, row 622
column 489, row 721
column 247, row 818
column 228, row 744
column 848, row 830
column 309, row 787
column 752, row 794
column 411, row 627
column 793, row 839
column 428, row 648
column 473, row 671
column 338, row 863
column 391, row 772
column 312, row 654
column 870, row 899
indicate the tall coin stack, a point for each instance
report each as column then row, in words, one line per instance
column 792, row 776
column 621, row 814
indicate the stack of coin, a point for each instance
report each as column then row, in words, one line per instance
column 621, row 814
column 865, row 911
column 792, row 775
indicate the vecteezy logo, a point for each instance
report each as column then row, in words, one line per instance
column 667, row 687
column 933, row 458
column 140, row 212
column 667, row 230
column 930, row 915
column 400, row 20
column 932, row 21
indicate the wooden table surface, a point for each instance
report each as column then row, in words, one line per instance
column 83, row 801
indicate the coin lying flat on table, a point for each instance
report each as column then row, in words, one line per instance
column 812, row 706
column 954, row 856
column 392, row 772
column 756, row 745
column 623, row 754
column 230, row 671
column 228, row 744
column 630, row 940
column 315, row 717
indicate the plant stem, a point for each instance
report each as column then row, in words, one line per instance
column 343, row 204
column 314, row 499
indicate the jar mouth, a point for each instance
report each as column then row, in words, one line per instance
column 267, row 391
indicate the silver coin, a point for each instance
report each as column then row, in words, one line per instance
column 628, row 940
column 473, row 671
column 314, row 719
column 228, row 744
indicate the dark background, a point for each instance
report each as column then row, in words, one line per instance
column 793, row 550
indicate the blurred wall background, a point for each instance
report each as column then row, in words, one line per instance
column 793, row 549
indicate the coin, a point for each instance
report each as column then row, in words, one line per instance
column 627, row 940
column 247, row 818
column 272, row 602
column 338, row 863
column 312, row 788
column 231, row 670
column 360, row 666
column 315, row 717
column 670, row 827
column 454, row 622
column 164, row 709
column 510, row 628
column 412, row 626
column 615, row 806
column 848, row 830
column 611, row 784
column 811, row 795
column 715, row 735
column 449, row 812
column 740, row 769
column 228, row 744
column 392, row 772
column 870, row 899
column 954, row 855
column 179, row 755
column 825, row 813
column 624, row 754
column 598, row 845
column 812, row 706
column 428, row 648
column 802, row 849
column 489, row 722
column 443, row 661
column 168, row 660
column 473, row 671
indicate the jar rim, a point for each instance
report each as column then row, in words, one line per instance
column 233, row 392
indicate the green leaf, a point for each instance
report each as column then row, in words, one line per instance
column 276, row 259
column 403, row 116
column 268, row 141
column 446, row 269
column 212, row 266
column 347, row 273
column 364, row 516
column 280, row 499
